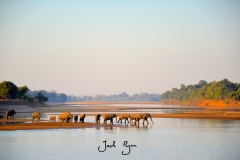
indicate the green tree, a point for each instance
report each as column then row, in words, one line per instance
column 202, row 83
column 238, row 94
column 41, row 98
column 22, row 91
column 27, row 98
column 8, row 90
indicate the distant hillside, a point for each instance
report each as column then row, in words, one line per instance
column 205, row 94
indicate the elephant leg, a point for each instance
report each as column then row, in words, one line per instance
column 147, row 121
column 111, row 121
column 136, row 122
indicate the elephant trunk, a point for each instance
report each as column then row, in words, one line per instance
column 151, row 118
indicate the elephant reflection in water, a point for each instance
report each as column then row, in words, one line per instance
column 110, row 117
column 145, row 126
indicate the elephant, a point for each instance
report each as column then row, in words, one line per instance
column 1, row 117
column 60, row 118
column 143, row 116
column 36, row 115
column 52, row 118
column 122, row 117
column 75, row 118
column 132, row 117
column 10, row 114
column 135, row 117
column 97, row 118
column 82, row 117
column 65, row 117
column 109, row 117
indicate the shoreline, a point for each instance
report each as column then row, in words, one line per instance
column 22, row 120
column 207, row 103
column 51, row 125
column 21, row 124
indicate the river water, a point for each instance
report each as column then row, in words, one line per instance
column 166, row 139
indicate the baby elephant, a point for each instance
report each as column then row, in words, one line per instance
column 52, row 119
column 82, row 117
column 75, row 118
column 97, row 118
column 36, row 115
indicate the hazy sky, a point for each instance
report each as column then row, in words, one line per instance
column 108, row 47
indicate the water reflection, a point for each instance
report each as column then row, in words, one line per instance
column 166, row 138
column 3, row 123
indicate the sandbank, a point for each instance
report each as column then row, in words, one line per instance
column 22, row 119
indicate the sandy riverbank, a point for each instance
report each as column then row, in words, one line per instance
column 204, row 103
column 51, row 125
column 26, row 124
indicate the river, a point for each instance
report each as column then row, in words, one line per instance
column 166, row 139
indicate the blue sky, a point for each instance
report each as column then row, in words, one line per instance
column 109, row 47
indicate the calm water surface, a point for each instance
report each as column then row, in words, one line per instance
column 166, row 139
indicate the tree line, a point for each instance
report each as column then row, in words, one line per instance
column 9, row 90
column 117, row 97
column 216, row 90
column 52, row 96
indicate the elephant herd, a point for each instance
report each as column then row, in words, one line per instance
column 121, row 117
column 68, row 117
